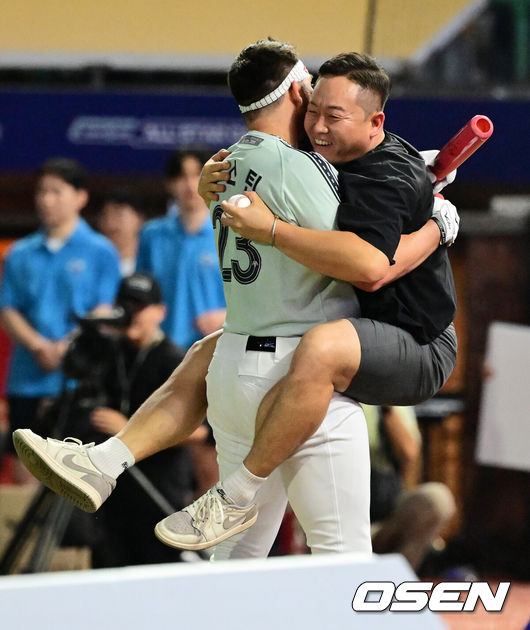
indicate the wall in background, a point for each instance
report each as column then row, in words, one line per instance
column 212, row 33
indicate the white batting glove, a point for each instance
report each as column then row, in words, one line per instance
column 428, row 158
column 445, row 215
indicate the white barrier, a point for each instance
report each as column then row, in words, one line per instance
column 291, row 593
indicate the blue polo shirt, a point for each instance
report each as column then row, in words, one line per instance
column 187, row 268
column 49, row 289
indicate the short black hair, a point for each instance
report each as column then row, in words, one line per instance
column 175, row 161
column 259, row 69
column 359, row 68
column 123, row 196
column 69, row 170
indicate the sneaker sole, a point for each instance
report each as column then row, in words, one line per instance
column 204, row 545
column 49, row 473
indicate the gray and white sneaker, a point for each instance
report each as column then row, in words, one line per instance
column 65, row 467
column 212, row 518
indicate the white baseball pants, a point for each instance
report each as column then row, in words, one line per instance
column 327, row 480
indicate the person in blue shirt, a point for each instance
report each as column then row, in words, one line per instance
column 120, row 219
column 50, row 277
column 178, row 249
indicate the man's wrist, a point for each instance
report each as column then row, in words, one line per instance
column 273, row 230
column 441, row 227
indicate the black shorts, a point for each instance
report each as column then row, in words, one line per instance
column 397, row 370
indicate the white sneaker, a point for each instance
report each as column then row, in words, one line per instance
column 65, row 467
column 212, row 518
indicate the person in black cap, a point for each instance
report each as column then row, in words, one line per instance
column 145, row 359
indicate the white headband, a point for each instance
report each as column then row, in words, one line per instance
column 298, row 73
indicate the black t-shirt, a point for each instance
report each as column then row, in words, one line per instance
column 387, row 193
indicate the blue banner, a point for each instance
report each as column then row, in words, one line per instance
column 117, row 133
column 110, row 132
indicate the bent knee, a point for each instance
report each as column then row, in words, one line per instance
column 194, row 365
column 330, row 350
column 203, row 349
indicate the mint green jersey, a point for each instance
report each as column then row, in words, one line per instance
column 267, row 293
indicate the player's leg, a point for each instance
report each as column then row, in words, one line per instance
column 328, row 481
column 86, row 474
column 176, row 409
column 367, row 360
column 237, row 381
column 326, row 360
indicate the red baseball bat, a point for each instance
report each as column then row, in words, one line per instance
column 472, row 136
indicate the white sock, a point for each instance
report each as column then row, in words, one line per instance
column 111, row 457
column 241, row 485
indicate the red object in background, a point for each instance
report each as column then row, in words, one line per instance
column 5, row 353
column 6, row 463
column 463, row 144
column 5, row 342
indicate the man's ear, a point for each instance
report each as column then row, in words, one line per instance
column 377, row 121
column 295, row 93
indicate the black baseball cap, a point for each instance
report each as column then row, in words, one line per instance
column 141, row 288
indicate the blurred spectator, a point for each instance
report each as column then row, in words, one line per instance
column 179, row 251
column 51, row 276
column 120, row 219
column 142, row 360
column 406, row 517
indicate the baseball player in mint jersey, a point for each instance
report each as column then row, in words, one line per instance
column 179, row 406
